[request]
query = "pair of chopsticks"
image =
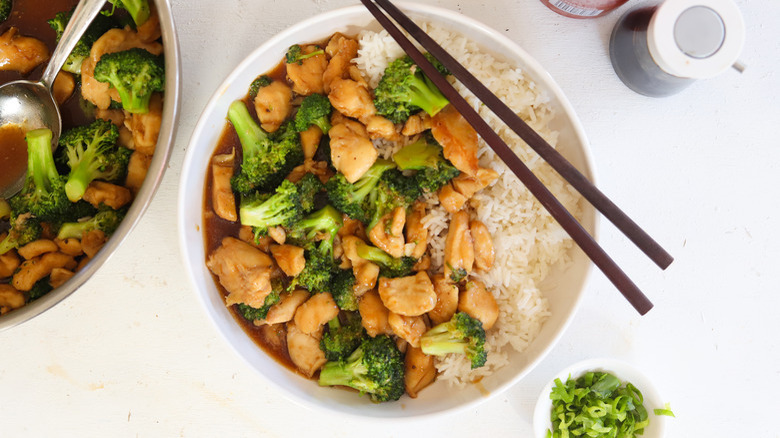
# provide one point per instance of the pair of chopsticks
(577, 180)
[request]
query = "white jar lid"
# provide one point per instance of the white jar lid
(696, 38)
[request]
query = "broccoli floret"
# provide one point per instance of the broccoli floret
(350, 198)
(259, 82)
(39, 289)
(342, 289)
(461, 335)
(264, 211)
(138, 9)
(404, 90)
(394, 190)
(295, 54)
(266, 160)
(323, 224)
(314, 110)
(135, 73)
(425, 156)
(24, 229)
(91, 153)
(456, 275)
(308, 187)
(43, 193)
(100, 25)
(389, 266)
(252, 313)
(341, 340)
(106, 221)
(376, 368)
(5, 9)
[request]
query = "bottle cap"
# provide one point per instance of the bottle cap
(696, 38)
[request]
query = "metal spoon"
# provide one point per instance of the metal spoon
(31, 104)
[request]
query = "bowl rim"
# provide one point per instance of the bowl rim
(144, 197)
(439, 13)
(623, 370)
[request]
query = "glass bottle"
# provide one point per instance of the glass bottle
(583, 8)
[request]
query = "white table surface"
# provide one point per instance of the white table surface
(132, 354)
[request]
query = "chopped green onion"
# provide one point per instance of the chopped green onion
(598, 405)
(665, 411)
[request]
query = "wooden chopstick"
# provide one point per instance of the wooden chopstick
(570, 173)
(580, 236)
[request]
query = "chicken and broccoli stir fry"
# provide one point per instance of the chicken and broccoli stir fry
(76, 196)
(318, 236)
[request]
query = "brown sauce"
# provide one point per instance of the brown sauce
(13, 154)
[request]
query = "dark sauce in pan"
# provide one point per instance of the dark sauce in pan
(270, 338)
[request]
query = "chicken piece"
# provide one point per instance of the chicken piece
(353, 72)
(337, 118)
(115, 116)
(59, 276)
(63, 87)
(351, 151)
(273, 105)
(137, 169)
(373, 314)
(36, 248)
(380, 127)
(304, 350)
(70, 246)
(263, 243)
(366, 272)
(10, 298)
(341, 50)
(317, 168)
(408, 296)
(222, 199)
(243, 270)
(390, 238)
(289, 258)
(125, 136)
(419, 371)
(408, 328)
(450, 199)
(284, 310)
(277, 234)
(310, 141)
(112, 195)
(92, 241)
(150, 30)
(21, 53)
(416, 123)
(478, 303)
(146, 127)
(457, 138)
(446, 300)
(351, 99)
(306, 75)
(37, 268)
(484, 255)
(8, 263)
(458, 248)
(274, 335)
(352, 227)
(115, 40)
(315, 312)
(469, 185)
(416, 233)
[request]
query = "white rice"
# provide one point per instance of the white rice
(527, 239)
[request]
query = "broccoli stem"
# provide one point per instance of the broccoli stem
(426, 95)
(138, 9)
(438, 341)
(344, 373)
(133, 103)
(40, 161)
(249, 133)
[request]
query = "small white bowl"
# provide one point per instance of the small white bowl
(623, 371)
(564, 288)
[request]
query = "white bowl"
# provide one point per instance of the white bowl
(564, 289)
(620, 369)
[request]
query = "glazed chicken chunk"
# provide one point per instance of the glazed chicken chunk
(351, 151)
(21, 53)
(243, 270)
(306, 75)
(273, 104)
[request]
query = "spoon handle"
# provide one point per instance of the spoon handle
(82, 17)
